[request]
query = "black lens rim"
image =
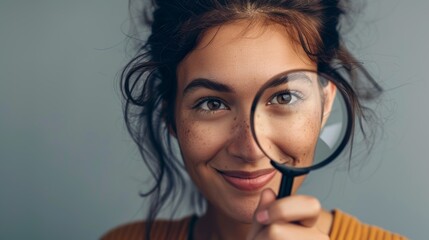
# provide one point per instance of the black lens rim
(341, 87)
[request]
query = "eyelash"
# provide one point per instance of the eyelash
(198, 105)
(296, 94)
(201, 101)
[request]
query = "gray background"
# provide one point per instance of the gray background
(68, 169)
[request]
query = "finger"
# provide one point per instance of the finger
(262, 211)
(290, 231)
(261, 214)
(301, 209)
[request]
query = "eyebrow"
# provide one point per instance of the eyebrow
(208, 84)
(288, 78)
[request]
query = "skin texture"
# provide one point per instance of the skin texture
(214, 135)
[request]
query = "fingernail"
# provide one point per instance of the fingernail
(262, 216)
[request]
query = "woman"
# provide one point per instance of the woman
(194, 80)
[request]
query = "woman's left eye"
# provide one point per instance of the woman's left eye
(284, 98)
(210, 105)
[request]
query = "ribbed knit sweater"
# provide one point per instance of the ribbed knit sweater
(344, 227)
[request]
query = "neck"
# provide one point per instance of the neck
(215, 225)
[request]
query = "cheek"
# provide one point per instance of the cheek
(307, 138)
(200, 141)
(298, 140)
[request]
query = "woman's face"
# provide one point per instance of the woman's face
(216, 85)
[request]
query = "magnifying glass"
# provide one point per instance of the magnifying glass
(302, 121)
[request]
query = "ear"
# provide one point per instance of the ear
(329, 92)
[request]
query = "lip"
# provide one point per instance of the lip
(248, 181)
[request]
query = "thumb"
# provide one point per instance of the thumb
(261, 217)
(261, 213)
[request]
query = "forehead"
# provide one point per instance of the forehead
(240, 54)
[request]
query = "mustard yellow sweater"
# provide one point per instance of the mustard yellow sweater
(344, 227)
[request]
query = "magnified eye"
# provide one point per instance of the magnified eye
(211, 105)
(284, 98)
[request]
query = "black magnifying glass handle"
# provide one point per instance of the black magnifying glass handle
(288, 175)
(285, 186)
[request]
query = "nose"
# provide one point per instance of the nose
(242, 145)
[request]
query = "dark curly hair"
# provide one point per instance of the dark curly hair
(148, 82)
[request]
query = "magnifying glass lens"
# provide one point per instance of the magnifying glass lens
(299, 120)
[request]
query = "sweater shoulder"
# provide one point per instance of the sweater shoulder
(347, 227)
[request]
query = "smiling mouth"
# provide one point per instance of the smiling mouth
(248, 181)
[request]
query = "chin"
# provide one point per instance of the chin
(240, 209)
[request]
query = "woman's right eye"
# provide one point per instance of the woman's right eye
(210, 105)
